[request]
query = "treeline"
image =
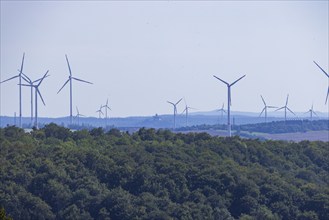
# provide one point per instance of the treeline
(274, 127)
(53, 173)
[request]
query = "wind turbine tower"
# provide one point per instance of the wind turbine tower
(285, 109)
(20, 90)
(265, 109)
(328, 79)
(37, 92)
(175, 110)
(70, 80)
(229, 101)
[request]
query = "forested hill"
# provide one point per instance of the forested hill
(54, 173)
(274, 127)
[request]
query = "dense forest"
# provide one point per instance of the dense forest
(274, 127)
(54, 173)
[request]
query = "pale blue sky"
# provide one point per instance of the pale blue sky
(140, 54)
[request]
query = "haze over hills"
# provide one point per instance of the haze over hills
(166, 121)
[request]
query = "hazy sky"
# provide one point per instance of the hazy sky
(140, 54)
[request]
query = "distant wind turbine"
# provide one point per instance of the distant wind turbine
(175, 110)
(229, 101)
(328, 78)
(311, 112)
(20, 89)
(70, 80)
(78, 115)
(222, 110)
(285, 109)
(186, 112)
(100, 112)
(106, 106)
(37, 92)
(265, 109)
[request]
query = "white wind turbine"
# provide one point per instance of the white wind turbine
(285, 109)
(328, 79)
(311, 111)
(20, 89)
(106, 106)
(175, 110)
(100, 112)
(78, 115)
(222, 110)
(70, 80)
(186, 112)
(229, 101)
(30, 82)
(265, 109)
(37, 92)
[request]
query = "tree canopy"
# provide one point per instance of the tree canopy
(54, 173)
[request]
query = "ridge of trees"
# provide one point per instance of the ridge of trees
(54, 173)
(274, 127)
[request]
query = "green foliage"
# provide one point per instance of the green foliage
(54, 173)
(274, 127)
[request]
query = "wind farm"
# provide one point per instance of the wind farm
(139, 91)
(164, 110)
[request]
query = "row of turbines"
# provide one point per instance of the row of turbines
(36, 83)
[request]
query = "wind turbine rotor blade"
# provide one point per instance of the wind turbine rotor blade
(10, 79)
(271, 106)
(77, 109)
(223, 106)
(183, 111)
(262, 112)
(263, 100)
(178, 101)
(63, 86)
(68, 64)
(280, 108)
(314, 113)
(27, 79)
(40, 95)
(287, 100)
(22, 63)
(291, 111)
(81, 80)
(44, 76)
(327, 96)
(25, 85)
(221, 80)
(39, 79)
(170, 103)
(237, 80)
(321, 69)
(107, 102)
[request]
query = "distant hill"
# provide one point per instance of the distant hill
(157, 121)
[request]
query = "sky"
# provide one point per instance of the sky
(141, 54)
